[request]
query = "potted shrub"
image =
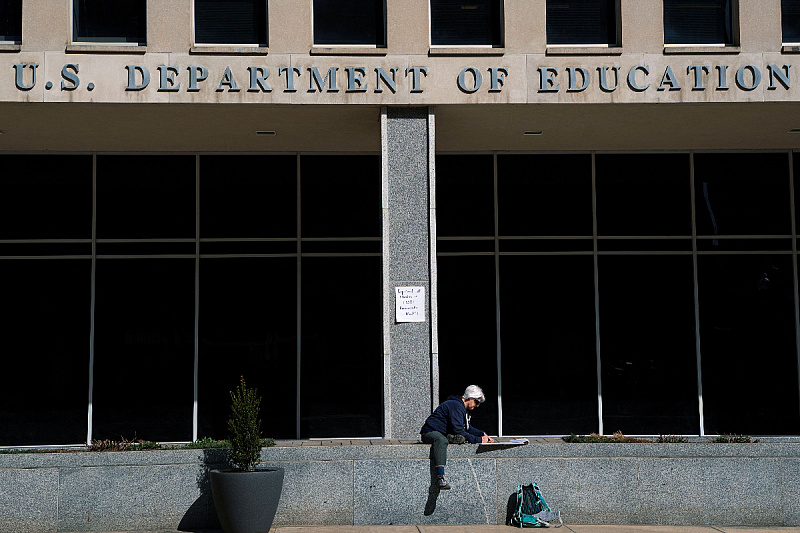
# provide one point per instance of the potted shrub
(246, 497)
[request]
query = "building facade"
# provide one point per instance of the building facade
(363, 206)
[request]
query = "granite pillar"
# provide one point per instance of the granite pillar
(410, 364)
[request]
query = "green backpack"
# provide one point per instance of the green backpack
(532, 510)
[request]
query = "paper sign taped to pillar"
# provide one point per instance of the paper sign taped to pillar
(410, 304)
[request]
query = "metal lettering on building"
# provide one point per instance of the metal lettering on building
(470, 79)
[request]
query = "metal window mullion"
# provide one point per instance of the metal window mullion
(794, 268)
(497, 303)
(698, 355)
(196, 339)
(90, 406)
(299, 293)
(596, 302)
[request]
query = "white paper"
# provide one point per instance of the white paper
(410, 304)
(505, 442)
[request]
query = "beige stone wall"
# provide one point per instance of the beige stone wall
(720, 115)
(668, 73)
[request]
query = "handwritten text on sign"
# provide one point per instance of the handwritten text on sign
(410, 304)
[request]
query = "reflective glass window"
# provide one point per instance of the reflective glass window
(647, 345)
(544, 195)
(467, 22)
(11, 21)
(145, 196)
(342, 347)
(230, 22)
(464, 195)
(45, 312)
(251, 196)
(350, 22)
(582, 22)
(748, 344)
(248, 328)
(46, 197)
(742, 194)
(144, 349)
(790, 20)
(101, 21)
(643, 194)
(340, 196)
(699, 22)
(468, 355)
(547, 325)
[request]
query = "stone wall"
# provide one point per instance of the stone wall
(694, 483)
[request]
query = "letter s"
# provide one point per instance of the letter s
(70, 77)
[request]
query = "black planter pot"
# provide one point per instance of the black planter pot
(246, 502)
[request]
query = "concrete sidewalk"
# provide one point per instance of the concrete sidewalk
(566, 528)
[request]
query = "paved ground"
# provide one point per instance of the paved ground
(567, 528)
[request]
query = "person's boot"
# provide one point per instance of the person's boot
(442, 484)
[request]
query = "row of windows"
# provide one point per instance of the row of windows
(363, 22)
(650, 280)
(653, 338)
(291, 303)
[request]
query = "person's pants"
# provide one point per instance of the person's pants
(438, 448)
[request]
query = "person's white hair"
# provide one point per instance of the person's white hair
(473, 391)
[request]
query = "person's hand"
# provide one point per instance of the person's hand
(486, 438)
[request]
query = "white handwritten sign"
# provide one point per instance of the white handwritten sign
(410, 304)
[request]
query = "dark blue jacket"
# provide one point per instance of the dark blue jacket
(452, 417)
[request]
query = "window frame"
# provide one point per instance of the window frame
(378, 46)
(734, 31)
(617, 44)
(795, 44)
(75, 41)
(17, 41)
(228, 47)
(500, 41)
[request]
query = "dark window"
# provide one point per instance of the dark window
(544, 195)
(465, 196)
(144, 349)
(467, 355)
(790, 19)
(582, 22)
(11, 21)
(742, 194)
(248, 327)
(145, 197)
(747, 334)
(248, 196)
(547, 329)
(230, 22)
(647, 344)
(340, 196)
(699, 21)
(46, 315)
(341, 386)
(467, 22)
(643, 195)
(348, 22)
(101, 21)
(46, 197)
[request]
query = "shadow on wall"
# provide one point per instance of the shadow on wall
(202, 515)
(433, 491)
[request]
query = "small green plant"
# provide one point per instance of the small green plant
(595, 438)
(727, 438)
(124, 445)
(671, 439)
(245, 427)
(206, 443)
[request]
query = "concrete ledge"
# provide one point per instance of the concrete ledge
(365, 484)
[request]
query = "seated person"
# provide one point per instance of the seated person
(452, 417)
